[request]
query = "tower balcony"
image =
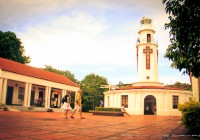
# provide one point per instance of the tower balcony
(145, 41)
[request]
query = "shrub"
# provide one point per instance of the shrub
(108, 109)
(31, 107)
(2, 106)
(49, 110)
(191, 116)
(5, 108)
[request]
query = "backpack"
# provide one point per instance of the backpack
(64, 99)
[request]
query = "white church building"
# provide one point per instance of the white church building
(142, 96)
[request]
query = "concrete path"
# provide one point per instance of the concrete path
(52, 125)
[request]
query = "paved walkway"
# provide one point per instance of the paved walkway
(52, 125)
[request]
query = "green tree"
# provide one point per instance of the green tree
(11, 48)
(184, 86)
(184, 25)
(66, 73)
(92, 93)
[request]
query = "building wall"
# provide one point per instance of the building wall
(136, 100)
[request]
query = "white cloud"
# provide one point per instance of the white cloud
(75, 40)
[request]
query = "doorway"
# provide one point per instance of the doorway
(9, 95)
(54, 100)
(32, 101)
(149, 103)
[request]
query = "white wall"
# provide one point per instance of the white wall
(136, 100)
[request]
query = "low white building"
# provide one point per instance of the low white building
(24, 85)
(142, 96)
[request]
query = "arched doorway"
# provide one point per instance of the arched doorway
(149, 103)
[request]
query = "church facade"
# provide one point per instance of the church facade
(141, 97)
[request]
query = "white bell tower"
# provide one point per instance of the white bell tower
(147, 55)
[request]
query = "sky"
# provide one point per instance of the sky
(88, 36)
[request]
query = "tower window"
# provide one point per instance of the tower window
(148, 37)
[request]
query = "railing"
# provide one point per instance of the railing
(145, 40)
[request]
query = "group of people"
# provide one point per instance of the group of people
(66, 105)
(67, 100)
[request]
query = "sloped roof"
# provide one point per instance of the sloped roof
(15, 67)
(148, 87)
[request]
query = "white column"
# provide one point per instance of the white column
(1, 88)
(4, 91)
(63, 92)
(29, 94)
(46, 97)
(111, 100)
(118, 101)
(26, 94)
(105, 100)
(114, 100)
(108, 100)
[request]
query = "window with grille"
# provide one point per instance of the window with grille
(21, 93)
(125, 101)
(175, 102)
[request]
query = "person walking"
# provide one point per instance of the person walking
(101, 103)
(66, 100)
(78, 106)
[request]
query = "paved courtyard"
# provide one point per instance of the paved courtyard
(52, 125)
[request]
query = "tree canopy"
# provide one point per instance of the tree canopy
(92, 83)
(184, 86)
(11, 48)
(184, 25)
(92, 93)
(66, 73)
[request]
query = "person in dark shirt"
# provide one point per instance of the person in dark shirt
(66, 105)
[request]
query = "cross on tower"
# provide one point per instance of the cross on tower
(147, 51)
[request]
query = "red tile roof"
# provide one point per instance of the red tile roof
(148, 87)
(15, 67)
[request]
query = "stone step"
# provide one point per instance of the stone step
(33, 109)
